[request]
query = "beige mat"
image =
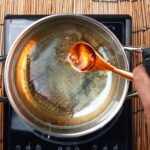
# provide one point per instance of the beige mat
(138, 9)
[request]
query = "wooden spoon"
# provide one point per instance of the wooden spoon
(84, 58)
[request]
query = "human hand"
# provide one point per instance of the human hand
(142, 85)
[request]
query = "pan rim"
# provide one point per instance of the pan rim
(8, 61)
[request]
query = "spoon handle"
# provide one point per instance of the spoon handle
(123, 73)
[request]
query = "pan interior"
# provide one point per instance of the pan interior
(49, 89)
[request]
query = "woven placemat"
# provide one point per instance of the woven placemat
(138, 9)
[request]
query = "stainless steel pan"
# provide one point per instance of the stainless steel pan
(47, 93)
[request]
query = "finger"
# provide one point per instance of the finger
(141, 79)
(142, 86)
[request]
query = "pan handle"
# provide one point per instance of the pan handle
(132, 94)
(3, 58)
(145, 51)
(3, 99)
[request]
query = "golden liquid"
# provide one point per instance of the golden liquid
(49, 88)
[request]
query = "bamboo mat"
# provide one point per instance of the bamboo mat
(138, 9)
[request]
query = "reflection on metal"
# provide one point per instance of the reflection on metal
(133, 94)
(101, 51)
(133, 49)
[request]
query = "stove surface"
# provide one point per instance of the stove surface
(115, 136)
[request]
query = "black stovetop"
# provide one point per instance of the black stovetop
(114, 136)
